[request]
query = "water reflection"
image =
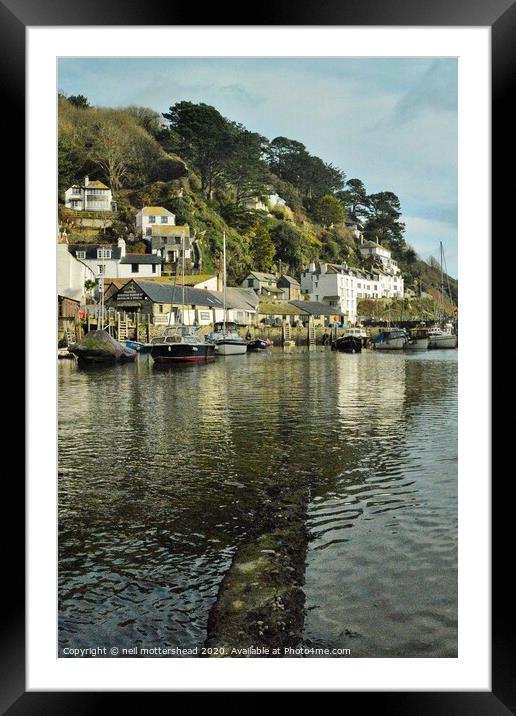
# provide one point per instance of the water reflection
(164, 472)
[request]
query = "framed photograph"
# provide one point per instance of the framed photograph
(258, 452)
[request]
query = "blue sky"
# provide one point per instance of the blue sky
(390, 122)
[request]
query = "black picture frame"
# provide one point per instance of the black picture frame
(500, 16)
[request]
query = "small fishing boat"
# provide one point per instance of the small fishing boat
(138, 346)
(64, 353)
(225, 337)
(418, 340)
(357, 332)
(442, 337)
(100, 347)
(258, 344)
(392, 339)
(180, 344)
(348, 344)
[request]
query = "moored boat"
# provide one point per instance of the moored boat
(258, 344)
(418, 340)
(392, 339)
(348, 344)
(226, 340)
(442, 337)
(225, 337)
(357, 332)
(181, 345)
(138, 346)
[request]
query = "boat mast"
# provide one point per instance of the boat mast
(183, 278)
(224, 275)
(442, 281)
(102, 291)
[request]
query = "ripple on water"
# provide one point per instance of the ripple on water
(162, 473)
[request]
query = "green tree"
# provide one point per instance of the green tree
(354, 198)
(292, 247)
(245, 169)
(327, 210)
(262, 248)
(79, 101)
(292, 163)
(383, 222)
(205, 138)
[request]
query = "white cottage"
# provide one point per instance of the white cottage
(112, 260)
(151, 218)
(90, 196)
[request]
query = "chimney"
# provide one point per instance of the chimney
(324, 267)
(86, 180)
(311, 268)
(121, 245)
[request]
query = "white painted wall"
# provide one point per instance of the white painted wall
(145, 221)
(71, 275)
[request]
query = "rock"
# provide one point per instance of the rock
(100, 347)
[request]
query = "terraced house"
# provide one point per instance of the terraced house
(112, 260)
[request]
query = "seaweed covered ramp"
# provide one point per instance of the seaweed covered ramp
(100, 347)
(260, 605)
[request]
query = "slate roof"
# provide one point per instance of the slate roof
(91, 250)
(280, 308)
(287, 280)
(266, 277)
(244, 299)
(316, 308)
(161, 293)
(141, 259)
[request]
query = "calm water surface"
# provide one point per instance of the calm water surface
(164, 472)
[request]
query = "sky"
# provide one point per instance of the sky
(391, 122)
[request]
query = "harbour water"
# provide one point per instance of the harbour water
(162, 473)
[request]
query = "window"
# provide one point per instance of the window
(153, 268)
(135, 268)
(250, 282)
(103, 253)
(148, 231)
(152, 219)
(101, 270)
(164, 219)
(80, 254)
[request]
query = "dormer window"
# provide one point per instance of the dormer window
(80, 254)
(103, 253)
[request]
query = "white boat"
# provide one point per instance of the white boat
(226, 340)
(391, 339)
(418, 340)
(356, 332)
(225, 337)
(442, 337)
